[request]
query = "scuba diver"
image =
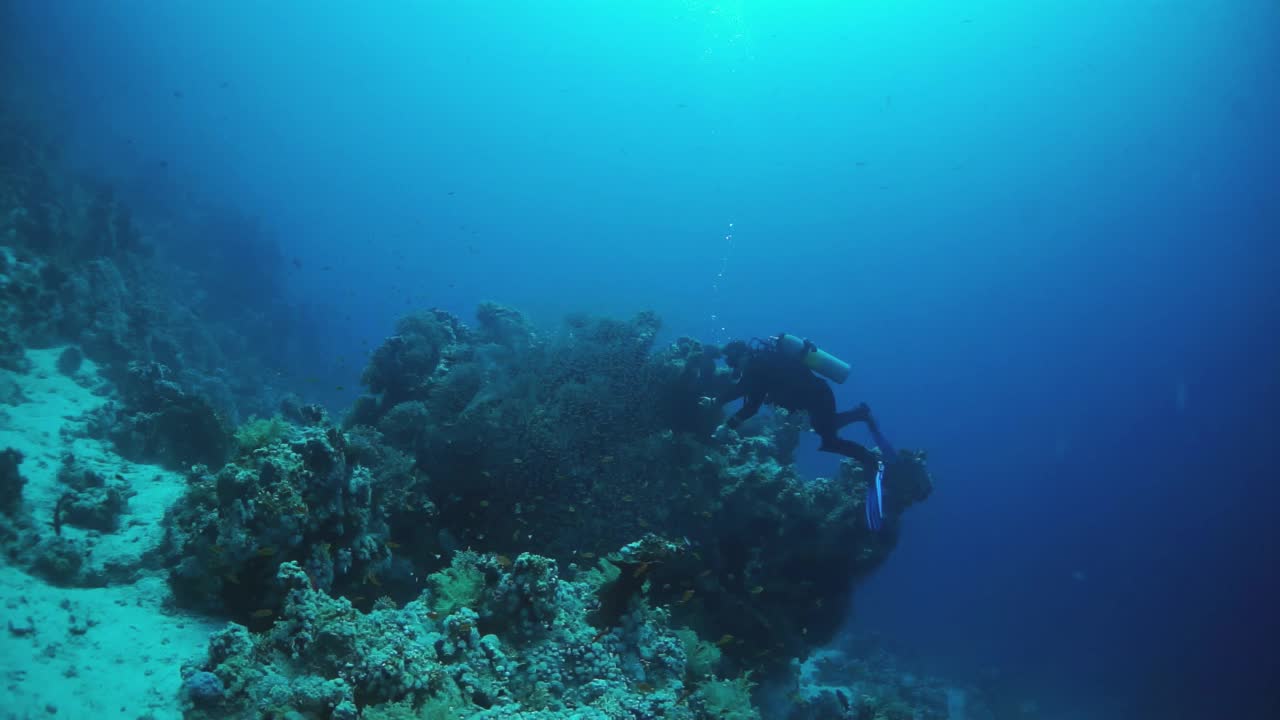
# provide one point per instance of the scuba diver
(780, 371)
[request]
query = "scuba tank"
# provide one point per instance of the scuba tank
(819, 361)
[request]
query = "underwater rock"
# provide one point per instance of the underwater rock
(11, 481)
(70, 360)
(160, 422)
(835, 683)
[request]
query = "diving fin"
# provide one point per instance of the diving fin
(875, 499)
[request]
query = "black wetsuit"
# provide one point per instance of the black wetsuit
(769, 375)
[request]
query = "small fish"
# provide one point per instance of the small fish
(628, 498)
(267, 551)
(263, 613)
(587, 555)
(686, 597)
(232, 578)
(484, 503)
(644, 687)
(392, 545)
(757, 590)
(644, 568)
(606, 459)
(724, 640)
(339, 388)
(503, 561)
(518, 461)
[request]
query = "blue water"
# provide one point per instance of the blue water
(1045, 235)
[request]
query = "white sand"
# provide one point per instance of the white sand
(88, 653)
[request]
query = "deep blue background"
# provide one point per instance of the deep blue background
(1044, 233)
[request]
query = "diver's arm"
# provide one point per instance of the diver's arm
(729, 394)
(750, 407)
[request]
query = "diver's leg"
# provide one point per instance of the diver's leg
(850, 449)
(862, 413)
(824, 419)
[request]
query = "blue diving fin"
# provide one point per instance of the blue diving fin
(875, 499)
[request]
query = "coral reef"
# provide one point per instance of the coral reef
(521, 646)
(476, 445)
(295, 499)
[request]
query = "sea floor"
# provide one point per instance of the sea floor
(108, 652)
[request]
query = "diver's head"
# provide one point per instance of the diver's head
(735, 355)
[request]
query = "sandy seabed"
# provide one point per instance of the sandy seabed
(108, 652)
